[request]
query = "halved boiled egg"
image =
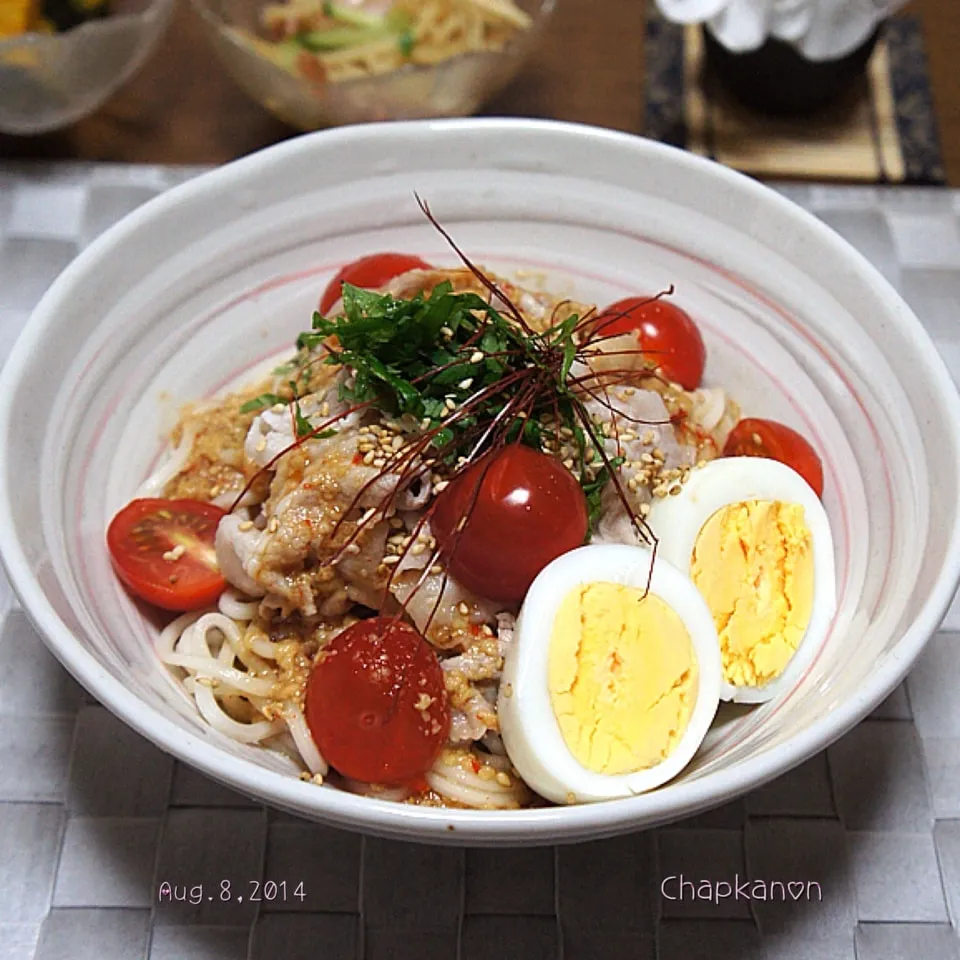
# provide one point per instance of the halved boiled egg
(756, 541)
(608, 690)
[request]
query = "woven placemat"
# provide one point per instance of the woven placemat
(112, 850)
(884, 131)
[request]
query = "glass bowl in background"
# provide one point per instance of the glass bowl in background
(451, 88)
(52, 80)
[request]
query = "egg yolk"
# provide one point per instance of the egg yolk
(622, 676)
(753, 564)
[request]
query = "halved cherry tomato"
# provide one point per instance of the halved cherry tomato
(163, 551)
(370, 272)
(665, 332)
(522, 508)
(376, 702)
(754, 437)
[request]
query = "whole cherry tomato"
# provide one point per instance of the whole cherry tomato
(666, 333)
(502, 520)
(370, 273)
(376, 702)
(754, 437)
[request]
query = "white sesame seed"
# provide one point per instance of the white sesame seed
(450, 404)
(466, 384)
(389, 561)
(476, 356)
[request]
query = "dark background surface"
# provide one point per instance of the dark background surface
(184, 108)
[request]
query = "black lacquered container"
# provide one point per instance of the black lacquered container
(777, 79)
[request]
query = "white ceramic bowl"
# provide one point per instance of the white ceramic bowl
(209, 278)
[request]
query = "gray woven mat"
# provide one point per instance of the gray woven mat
(94, 820)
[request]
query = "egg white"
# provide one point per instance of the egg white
(677, 522)
(528, 724)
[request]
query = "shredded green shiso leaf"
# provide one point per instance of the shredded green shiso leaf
(461, 370)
